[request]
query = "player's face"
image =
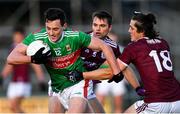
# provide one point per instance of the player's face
(100, 27)
(133, 31)
(54, 29)
(18, 37)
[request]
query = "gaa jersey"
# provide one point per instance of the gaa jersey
(20, 72)
(65, 55)
(94, 59)
(152, 59)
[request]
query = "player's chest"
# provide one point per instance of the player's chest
(90, 54)
(62, 49)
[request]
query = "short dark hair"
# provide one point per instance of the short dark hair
(103, 15)
(55, 13)
(19, 28)
(145, 23)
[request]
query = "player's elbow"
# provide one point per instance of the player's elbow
(10, 60)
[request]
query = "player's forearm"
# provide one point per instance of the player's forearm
(131, 77)
(99, 74)
(128, 73)
(110, 57)
(18, 55)
(18, 58)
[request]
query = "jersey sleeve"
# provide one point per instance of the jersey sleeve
(30, 38)
(84, 39)
(116, 51)
(126, 56)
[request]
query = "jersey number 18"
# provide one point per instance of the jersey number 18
(165, 55)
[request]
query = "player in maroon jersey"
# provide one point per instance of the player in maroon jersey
(20, 86)
(101, 26)
(151, 56)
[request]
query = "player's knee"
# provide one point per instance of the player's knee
(13, 107)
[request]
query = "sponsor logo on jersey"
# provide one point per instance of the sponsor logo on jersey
(64, 61)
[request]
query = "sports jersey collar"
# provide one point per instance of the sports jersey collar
(146, 38)
(62, 36)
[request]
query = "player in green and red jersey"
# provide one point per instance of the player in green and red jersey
(65, 57)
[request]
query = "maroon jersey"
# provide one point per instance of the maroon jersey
(93, 59)
(20, 72)
(152, 59)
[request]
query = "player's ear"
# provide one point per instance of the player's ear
(110, 28)
(65, 26)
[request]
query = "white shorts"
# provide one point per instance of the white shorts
(160, 107)
(82, 89)
(18, 89)
(104, 88)
(50, 91)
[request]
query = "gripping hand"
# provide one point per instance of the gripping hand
(39, 57)
(117, 78)
(140, 91)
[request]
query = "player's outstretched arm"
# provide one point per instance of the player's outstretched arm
(98, 44)
(99, 74)
(18, 55)
(131, 77)
(128, 74)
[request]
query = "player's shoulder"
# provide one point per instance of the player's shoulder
(162, 40)
(71, 33)
(131, 46)
(138, 43)
(110, 42)
(40, 34)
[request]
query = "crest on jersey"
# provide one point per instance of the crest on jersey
(68, 48)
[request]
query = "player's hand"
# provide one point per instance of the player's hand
(117, 78)
(140, 91)
(43, 86)
(39, 57)
(74, 76)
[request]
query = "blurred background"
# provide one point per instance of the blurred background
(29, 14)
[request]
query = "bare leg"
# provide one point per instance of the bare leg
(55, 106)
(131, 109)
(79, 105)
(101, 98)
(96, 106)
(118, 100)
(89, 109)
(15, 104)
